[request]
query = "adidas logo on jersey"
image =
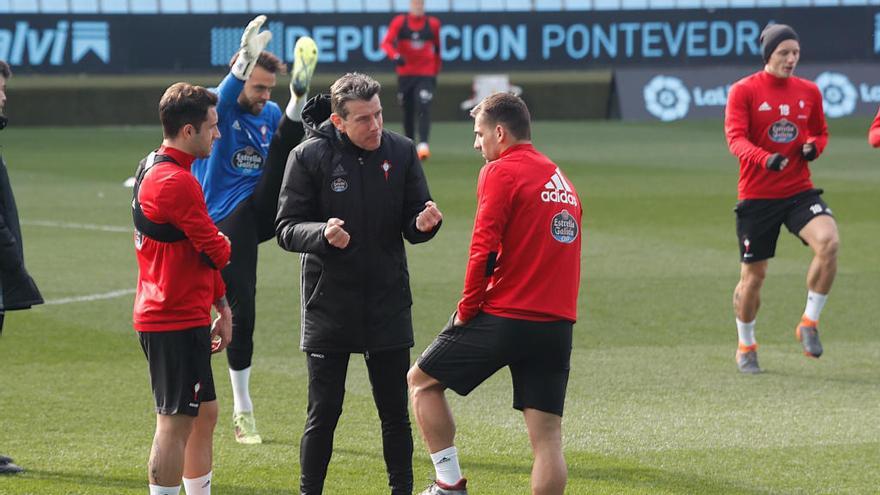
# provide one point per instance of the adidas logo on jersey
(557, 190)
(765, 107)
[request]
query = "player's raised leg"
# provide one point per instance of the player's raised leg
(435, 421)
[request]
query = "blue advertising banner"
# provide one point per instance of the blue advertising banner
(689, 93)
(486, 41)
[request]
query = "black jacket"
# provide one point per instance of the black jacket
(17, 288)
(355, 299)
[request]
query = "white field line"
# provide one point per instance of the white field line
(83, 226)
(80, 226)
(91, 297)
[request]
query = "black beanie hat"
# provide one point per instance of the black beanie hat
(773, 35)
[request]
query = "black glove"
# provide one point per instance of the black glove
(809, 152)
(399, 61)
(776, 162)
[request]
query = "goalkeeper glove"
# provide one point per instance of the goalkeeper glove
(776, 162)
(252, 43)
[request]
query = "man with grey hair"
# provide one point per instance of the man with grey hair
(351, 193)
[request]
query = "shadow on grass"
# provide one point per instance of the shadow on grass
(607, 472)
(814, 376)
(639, 476)
(91, 483)
(85, 479)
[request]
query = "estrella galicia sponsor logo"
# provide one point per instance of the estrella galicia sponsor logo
(339, 185)
(783, 131)
(248, 159)
(667, 98)
(839, 95)
(27, 45)
(564, 227)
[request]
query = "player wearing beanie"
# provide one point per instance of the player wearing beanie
(775, 126)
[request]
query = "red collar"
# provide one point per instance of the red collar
(516, 147)
(183, 158)
(775, 81)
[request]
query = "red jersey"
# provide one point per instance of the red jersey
(874, 133)
(176, 287)
(765, 115)
(417, 41)
(530, 215)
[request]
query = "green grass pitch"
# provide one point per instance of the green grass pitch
(655, 405)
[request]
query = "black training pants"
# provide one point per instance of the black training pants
(252, 222)
(327, 372)
(415, 94)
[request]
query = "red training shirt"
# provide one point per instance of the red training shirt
(530, 214)
(765, 115)
(176, 287)
(417, 40)
(874, 133)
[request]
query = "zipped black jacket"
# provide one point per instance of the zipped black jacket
(355, 299)
(17, 288)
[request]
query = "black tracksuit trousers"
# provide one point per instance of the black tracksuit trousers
(249, 224)
(327, 371)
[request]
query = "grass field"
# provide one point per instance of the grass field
(655, 405)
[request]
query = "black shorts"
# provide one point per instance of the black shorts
(538, 354)
(410, 88)
(758, 221)
(180, 369)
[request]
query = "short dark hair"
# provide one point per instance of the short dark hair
(183, 104)
(352, 86)
(508, 110)
(5, 70)
(266, 60)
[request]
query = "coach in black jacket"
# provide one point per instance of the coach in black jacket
(17, 288)
(351, 192)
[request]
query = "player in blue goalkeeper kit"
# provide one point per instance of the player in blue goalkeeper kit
(241, 180)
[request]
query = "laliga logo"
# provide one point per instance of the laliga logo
(839, 96)
(667, 98)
